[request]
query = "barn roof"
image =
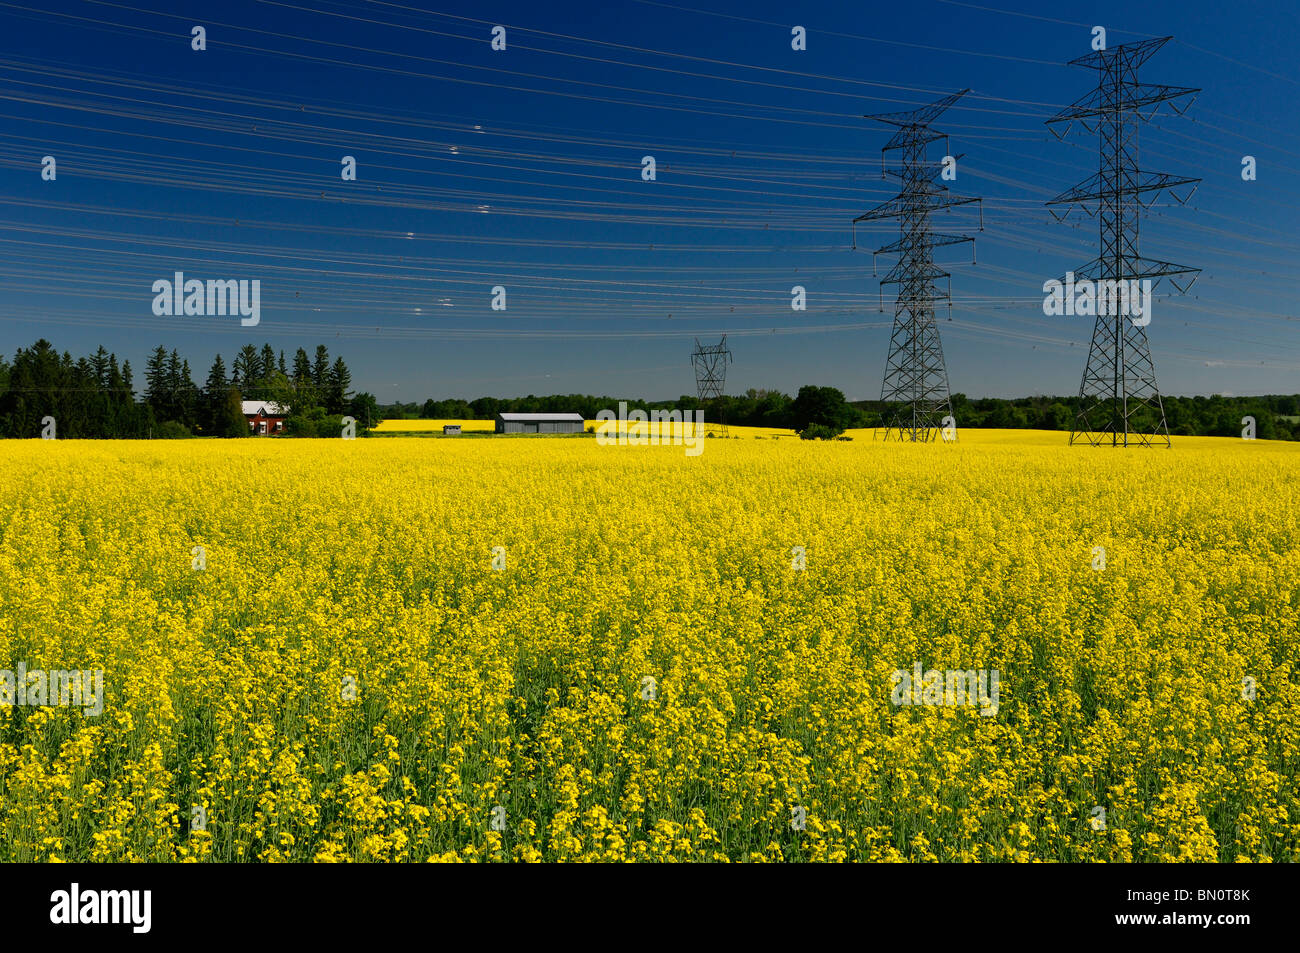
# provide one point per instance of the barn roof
(575, 418)
(253, 408)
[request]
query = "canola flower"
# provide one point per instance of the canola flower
(648, 676)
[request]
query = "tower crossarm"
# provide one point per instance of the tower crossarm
(1132, 268)
(895, 207)
(1134, 183)
(925, 171)
(913, 125)
(932, 240)
(906, 204)
(1102, 104)
(921, 116)
(1128, 56)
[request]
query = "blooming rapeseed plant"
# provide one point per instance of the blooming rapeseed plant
(650, 677)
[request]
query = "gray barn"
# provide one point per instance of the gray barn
(540, 423)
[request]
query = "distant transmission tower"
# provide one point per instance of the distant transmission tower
(915, 374)
(1119, 403)
(710, 363)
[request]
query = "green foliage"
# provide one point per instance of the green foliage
(93, 397)
(1277, 417)
(86, 398)
(171, 430)
(317, 423)
(365, 409)
(819, 432)
(337, 385)
(447, 410)
(824, 408)
(231, 421)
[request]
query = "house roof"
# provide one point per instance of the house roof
(264, 408)
(567, 417)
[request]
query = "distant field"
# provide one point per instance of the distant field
(435, 426)
(431, 426)
(969, 436)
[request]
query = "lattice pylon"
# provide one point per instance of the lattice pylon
(915, 373)
(710, 364)
(1119, 400)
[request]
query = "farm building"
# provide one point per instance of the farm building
(539, 423)
(264, 417)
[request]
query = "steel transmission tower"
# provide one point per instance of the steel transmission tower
(1119, 403)
(710, 363)
(915, 374)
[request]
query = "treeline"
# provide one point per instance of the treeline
(822, 407)
(93, 397)
(1277, 417)
(89, 397)
(765, 405)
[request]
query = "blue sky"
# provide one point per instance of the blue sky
(522, 168)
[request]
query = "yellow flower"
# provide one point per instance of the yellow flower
(650, 677)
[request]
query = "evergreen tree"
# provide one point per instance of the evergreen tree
(338, 389)
(155, 380)
(129, 419)
(99, 366)
(188, 398)
(172, 399)
(214, 396)
(247, 372)
(301, 368)
(268, 363)
(320, 369)
(38, 383)
(303, 388)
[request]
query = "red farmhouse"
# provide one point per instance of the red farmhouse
(265, 419)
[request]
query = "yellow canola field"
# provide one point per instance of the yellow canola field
(342, 673)
(432, 426)
(611, 427)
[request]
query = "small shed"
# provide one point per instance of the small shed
(540, 423)
(451, 430)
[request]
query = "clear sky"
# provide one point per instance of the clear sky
(523, 168)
